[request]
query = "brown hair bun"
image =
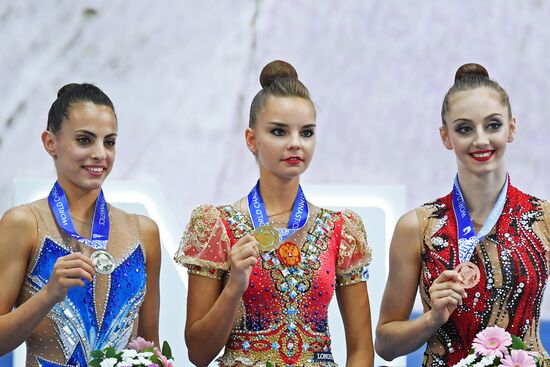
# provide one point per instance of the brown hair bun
(471, 69)
(277, 69)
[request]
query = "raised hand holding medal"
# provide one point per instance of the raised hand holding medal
(467, 238)
(103, 262)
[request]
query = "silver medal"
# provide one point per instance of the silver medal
(104, 262)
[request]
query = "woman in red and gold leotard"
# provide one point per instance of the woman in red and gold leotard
(265, 298)
(486, 225)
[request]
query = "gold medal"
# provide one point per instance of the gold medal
(267, 237)
(104, 262)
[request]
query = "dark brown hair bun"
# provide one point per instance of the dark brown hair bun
(277, 69)
(471, 69)
(64, 89)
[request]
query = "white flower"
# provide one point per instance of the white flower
(127, 362)
(108, 362)
(145, 354)
(465, 362)
(144, 361)
(485, 361)
(129, 353)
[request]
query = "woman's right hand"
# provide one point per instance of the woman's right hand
(69, 271)
(446, 294)
(243, 256)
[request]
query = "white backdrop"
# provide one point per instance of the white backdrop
(182, 75)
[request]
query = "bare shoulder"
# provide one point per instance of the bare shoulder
(406, 237)
(19, 226)
(147, 225)
(149, 232)
(408, 222)
(19, 219)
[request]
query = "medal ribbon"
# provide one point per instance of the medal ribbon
(100, 225)
(298, 217)
(467, 238)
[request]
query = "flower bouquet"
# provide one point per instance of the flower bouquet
(140, 353)
(494, 346)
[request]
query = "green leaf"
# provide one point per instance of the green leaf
(166, 350)
(97, 354)
(155, 360)
(269, 364)
(517, 343)
(110, 352)
(94, 363)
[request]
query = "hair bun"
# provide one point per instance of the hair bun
(64, 89)
(277, 69)
(471, 70)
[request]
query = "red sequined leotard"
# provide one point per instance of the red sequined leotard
(513, 261)
(283, 312)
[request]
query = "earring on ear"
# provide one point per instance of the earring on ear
(54, 156)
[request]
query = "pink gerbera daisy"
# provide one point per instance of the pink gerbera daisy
(492, 342)
(518, 358)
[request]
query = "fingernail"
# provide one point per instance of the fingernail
(465, 295)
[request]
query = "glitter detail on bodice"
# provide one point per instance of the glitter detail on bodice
(102, 313)
(513, 261)
(283, 312)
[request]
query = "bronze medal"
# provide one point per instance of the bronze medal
(470, 274)
(267, 237)
(104, 262)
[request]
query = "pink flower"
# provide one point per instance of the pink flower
(140, 344)
(518, 358)
(163, 360)
(492, 342)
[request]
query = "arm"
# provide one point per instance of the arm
(212, 308)
(149, 312)
(353, 301)
(396, 335)
(18, 235)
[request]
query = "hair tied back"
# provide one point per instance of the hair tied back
(471, 70)
(66, 88)
(275, 70)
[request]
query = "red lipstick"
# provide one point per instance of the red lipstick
(482, 155)
(293, 160)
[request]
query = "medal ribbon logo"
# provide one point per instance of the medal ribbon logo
(100, 225)
(258, 214)
(467, 238)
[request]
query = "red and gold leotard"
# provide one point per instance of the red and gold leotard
(514, 264)
(283, 312)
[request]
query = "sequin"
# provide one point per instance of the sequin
(514, 271)
(101, 313)
(284, 319)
